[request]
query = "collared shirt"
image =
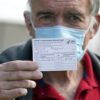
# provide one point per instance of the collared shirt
(89, 87)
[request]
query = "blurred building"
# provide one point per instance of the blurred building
(11, 34)
(12, 27)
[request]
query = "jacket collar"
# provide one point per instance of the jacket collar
(26, 51)
(96, 64)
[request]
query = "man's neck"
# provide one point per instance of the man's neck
(65, 80)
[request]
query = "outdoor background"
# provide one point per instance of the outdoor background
(12, 26)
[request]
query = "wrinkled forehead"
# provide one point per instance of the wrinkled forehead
(57, 0)
(59, 4)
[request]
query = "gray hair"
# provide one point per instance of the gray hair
(94, 6)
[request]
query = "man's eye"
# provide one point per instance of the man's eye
(45, 17)
(73, 18)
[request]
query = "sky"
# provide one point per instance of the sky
(12, 11)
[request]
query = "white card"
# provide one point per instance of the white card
(55, 54)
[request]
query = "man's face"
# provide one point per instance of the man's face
(69, 13)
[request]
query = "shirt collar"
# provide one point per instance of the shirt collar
(44, 91)
(90, 76)
(88, 81)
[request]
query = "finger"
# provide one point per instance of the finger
(20, 75)
(11, 94)
(17, 84)
(18, 65)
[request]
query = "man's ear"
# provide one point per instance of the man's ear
(96, 25)
(93, 30)
(28, 22)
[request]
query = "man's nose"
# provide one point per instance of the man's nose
(60, 21)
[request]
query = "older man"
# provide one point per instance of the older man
(78, 19)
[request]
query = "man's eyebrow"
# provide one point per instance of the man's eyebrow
(75, 12)
(44, 13)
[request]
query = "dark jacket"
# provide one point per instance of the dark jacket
(24, 52)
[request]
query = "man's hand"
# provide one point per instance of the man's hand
(16, 77)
